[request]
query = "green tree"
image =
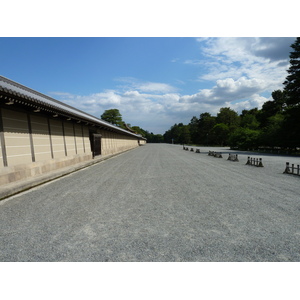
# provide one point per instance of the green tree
(291, 124)
(178, 134)
(194, 130)
(244, 139)
(249, 118)
(185, 136)
(272, 107)
(272, 133)
(206, 124)
(292, 82)
(219, 134)
(229, 117)
(113, 116)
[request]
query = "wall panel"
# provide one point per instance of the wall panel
(40, 137)
(70, 139)
(1, 156)
(86, 137)
(57, 138)
(79, 139)
(16, 134)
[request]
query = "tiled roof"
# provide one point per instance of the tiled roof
(47, 103)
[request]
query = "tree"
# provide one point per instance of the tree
(113, 116)
(292, 82)
(244, 139)
(249, 118)
(291, 124)
(194, 130)
(229, 117)
(219, 134)
(185, 136)
(206, 124)
(178, 134)
(272, 134)
(272, 107)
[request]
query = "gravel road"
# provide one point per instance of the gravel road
(159, 203)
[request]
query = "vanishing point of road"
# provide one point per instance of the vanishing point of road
(158, 203)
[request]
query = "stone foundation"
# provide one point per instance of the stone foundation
(25, 171)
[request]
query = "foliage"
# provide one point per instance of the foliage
(206, 124)
(178, 134)
(244, 138)
(291, 124)
(229, 117)
(249, 119)
(113, 116)
(292, 83)
(219, 134)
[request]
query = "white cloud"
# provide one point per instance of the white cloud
(157, 113)
(131, 83)
(155, 87)
(241, 69)
(254, 58)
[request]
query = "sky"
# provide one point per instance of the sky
(155, 82)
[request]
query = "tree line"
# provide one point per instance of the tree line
(275, 125)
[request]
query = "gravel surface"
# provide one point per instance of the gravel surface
(159, 203)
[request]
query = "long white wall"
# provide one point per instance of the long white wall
(35, 144)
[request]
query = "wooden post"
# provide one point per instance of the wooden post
(287, 168)
(248, 161)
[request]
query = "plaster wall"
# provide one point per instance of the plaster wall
(36, 144)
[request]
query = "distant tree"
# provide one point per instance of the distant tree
(249, 118)
(138, 130)
(113, 116)
(272, 134)
(219, 134)
(229, 117)
(185, 136)
(292, 82)
(178, 134)
(194, 130)
(272, 107)
(244, 139)
(291, 124)
(206, 124)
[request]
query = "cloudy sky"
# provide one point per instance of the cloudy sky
(154, 82)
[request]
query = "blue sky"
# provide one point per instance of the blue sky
(154, 82)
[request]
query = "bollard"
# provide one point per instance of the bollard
(233, 157)
(254, 162)
(192, 149)
(218, 155)
(287, 168)
(197, 150)
(292, 169)
(248, 161)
